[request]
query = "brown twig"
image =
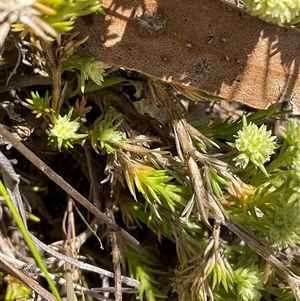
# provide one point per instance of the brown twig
(5, 266)
(116, 256)
(54, 68)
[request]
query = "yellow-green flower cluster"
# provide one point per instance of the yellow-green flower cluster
(249, 282)
(105, 134)
(63, 132)
(255, 145)
(16, 289)
(39, 105)
(281, 11)
(89, 67)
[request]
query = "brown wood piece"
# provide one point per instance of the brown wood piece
(206, 44)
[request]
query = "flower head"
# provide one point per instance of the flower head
(16, 289)
(281, 11)
(105, 134)
(249, 282)
(64, 131)
(89, 67)
(255, 145)
(39, 105)
(95, 70)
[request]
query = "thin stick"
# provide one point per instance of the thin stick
(5, 266)
(116, 256)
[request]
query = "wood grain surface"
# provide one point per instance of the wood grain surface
(206, 44)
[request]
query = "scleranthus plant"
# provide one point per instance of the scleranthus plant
(281, 11)
(155, 185)
(249, 282)
(89, 68)
(278, 199)
(273, 206)
(16, 289)
(64, 131)
(255, 145)
(141, 268)
(39, 105)
(105, 134)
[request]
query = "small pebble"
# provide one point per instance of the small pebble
(209, 39)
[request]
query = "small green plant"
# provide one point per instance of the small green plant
(16, 289)
(143, 270)
(249, 282)
(155, 185)
(105, 135)
(277, 198)
(88, 67)
(39, 105)
(254, 145)
(63, 132)
(151, 183)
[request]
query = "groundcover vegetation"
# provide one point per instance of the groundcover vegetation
(116, 186)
